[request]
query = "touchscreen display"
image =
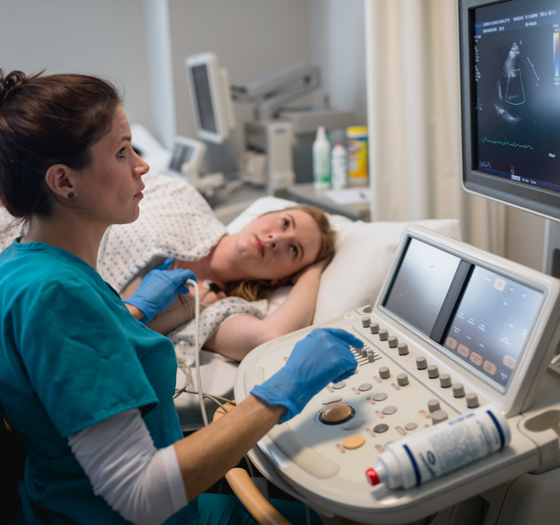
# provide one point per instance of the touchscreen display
(492, 323)
(421, 284)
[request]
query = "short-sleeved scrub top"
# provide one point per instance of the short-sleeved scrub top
(71, 355)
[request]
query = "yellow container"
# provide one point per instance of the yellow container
(357, 146)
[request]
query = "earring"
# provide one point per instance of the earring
(70, 195)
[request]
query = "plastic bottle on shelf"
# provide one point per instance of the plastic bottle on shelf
(321, 160)
(357, 144)
(339, 166)
(442, 448)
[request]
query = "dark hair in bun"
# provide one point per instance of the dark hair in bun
(46, 120)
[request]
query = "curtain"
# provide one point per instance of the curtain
(412, 63)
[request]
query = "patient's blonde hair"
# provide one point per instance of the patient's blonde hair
(254, 289)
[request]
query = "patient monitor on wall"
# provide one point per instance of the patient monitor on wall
(271, 135)
(210, 97)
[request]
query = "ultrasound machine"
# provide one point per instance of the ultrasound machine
(454, 327)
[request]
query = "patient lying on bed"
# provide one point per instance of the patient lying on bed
(291, 246)
(285, 247)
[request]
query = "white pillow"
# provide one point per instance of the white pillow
(364, 254)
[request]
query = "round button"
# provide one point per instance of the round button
(382, 396)
(334, 398)
(389, 410)
(472, 400)
(384, 372)
(433, 405)
(383, 334)
(393, 341)
(445, 380)
(402, 379)
(366, 321)
(337, 413)
(421, 363)
(458, 390)
(379, 429)
(339, 385)
(374, 328)
(433, 372)
(403, 349)
(352, 442)
(438, 417)
(410, 426)
(364, 387)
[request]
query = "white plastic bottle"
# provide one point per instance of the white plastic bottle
(442, 448)
(321, 160)
(339, 166)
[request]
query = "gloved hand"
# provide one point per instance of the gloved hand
(159, 289)
(323, 356)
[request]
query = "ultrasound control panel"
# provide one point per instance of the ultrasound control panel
(454, 328)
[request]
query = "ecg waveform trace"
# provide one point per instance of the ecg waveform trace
(505, 143)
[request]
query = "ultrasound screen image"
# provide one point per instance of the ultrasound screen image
(517, 85)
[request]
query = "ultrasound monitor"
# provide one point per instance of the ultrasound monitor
(510, 86)
(210, 97)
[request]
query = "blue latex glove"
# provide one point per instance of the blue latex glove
(323, 356)
(159, 289)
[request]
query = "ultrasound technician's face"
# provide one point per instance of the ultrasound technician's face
(276, 245)
(110, 188)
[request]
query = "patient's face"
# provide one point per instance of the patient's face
(277, 245)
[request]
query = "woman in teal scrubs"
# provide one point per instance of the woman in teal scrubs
(84, 384)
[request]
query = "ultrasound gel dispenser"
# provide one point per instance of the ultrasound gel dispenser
(442, 448)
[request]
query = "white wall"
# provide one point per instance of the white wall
(101, 37)
(338, 47)
(525, 233)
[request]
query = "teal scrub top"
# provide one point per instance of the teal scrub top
(71, 355)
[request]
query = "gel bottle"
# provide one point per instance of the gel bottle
(440, 449)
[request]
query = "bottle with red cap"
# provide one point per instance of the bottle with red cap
(442, 448)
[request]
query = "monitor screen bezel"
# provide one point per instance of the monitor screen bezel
(545, 203)
(219, 93)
